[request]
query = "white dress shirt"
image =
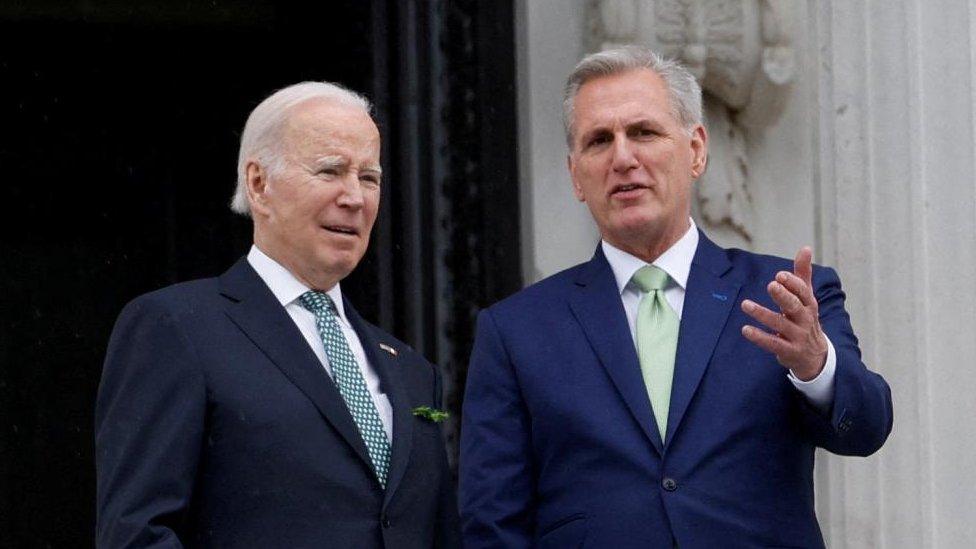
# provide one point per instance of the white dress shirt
(287, 289)
(676, 261)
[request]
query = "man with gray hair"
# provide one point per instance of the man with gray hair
(258, 409)
(633, 400)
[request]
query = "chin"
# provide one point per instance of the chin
(341, 263)
(638, 225)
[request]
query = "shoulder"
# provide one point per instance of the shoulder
(751, 266)
(181, 300)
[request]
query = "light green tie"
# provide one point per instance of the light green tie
(657, 341)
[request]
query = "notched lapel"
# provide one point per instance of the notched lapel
(254, 309)
(597, 307)
(709, 299)
(385, 358)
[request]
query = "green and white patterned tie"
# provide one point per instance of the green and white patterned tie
(657, 341)
(349, 380)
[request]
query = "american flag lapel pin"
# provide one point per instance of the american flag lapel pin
(389, 349)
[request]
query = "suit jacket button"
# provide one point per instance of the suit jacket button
(669, 484)
(385, 521)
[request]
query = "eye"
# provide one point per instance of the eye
(329, 171)
(371, 179)
(644, 132)
(599, 139)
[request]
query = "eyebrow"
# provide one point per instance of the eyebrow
(331, 161)
(339, 161)
(606, 128)
(373, 168)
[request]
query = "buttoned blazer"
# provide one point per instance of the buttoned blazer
(559, 446)
(217, 426)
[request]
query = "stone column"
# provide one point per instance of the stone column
(897, 216)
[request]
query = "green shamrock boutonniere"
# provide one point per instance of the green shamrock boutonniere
(431, 414)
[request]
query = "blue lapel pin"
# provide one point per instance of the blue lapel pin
(720, 297)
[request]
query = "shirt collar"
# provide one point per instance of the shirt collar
(676, 260)
(285, 287)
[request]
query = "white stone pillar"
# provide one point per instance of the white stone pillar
(897, 216)
(557, 231)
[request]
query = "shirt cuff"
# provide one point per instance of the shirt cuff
(819, 390)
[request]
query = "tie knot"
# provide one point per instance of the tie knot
(650, 278)
(316, 302)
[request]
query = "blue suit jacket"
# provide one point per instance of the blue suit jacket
(216, 425)
(559, 446)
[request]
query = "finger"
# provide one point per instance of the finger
(772, 320)
(766, 341)
(797, 287)
(786, 301)
(803, 265)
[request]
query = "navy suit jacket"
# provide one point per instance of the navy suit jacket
(559, 445)
(217, 426)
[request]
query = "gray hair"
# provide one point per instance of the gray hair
(684, 92)
(261, 137)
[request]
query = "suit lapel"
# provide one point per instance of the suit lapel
(254, 309)
(597, 306)
(391, 379)
(709, 299)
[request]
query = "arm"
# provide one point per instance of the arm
(496, 479)
(149, 421)
(858, 418)
(861, 416)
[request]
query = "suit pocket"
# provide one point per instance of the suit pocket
(568, 532)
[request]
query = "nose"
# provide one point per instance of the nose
(352, 192)
(624, 158)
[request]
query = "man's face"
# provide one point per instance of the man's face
(314, 214)
(632, 161)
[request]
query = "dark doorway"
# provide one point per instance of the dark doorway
(120, 124)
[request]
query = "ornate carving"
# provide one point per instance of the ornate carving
(722, 192)
(619, 21)
(740, 52)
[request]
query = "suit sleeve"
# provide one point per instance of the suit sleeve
(149, 422)
(860, 418)
(497, 489)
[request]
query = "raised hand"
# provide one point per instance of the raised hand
(794, 334)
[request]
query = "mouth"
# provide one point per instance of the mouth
(628, 190)
(341, 229)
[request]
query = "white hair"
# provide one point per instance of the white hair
(684, 93)
(260, 140)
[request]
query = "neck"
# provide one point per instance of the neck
(650, 248)
(315, 279)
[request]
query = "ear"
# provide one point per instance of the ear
(256, 178)
(699, 151)
(577, 190)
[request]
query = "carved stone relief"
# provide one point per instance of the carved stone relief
(741, 54)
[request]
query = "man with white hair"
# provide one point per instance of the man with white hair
(632, 401)
(258, 409)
